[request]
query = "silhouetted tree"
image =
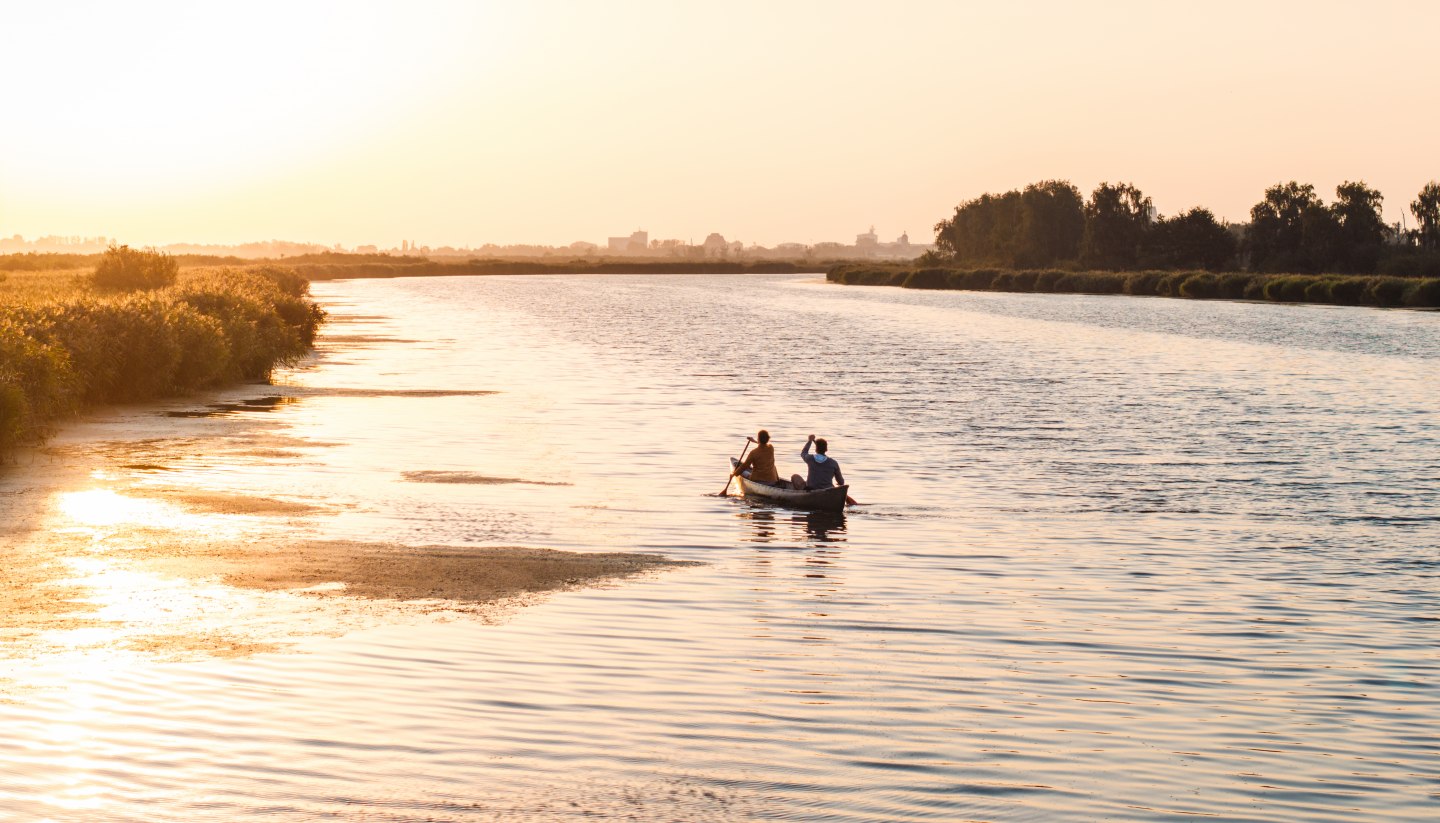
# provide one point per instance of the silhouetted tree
(1426, 209)
(1193, 240)
(983, 230)
(1291, 231)
(1360, 231)
(1116, 219)
(1052, 223)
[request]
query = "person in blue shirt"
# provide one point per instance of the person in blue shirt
(824, 470)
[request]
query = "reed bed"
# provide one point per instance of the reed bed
(66, 345)
(1360, 290)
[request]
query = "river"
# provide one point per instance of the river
(1121, 558)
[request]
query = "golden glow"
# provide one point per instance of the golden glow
(461, 122)
(102, 507)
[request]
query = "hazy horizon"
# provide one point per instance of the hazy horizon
(460, 124)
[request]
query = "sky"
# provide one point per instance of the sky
(462, 123)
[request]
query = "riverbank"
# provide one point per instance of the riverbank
(1200, 285)
(343, 266)
(66, 347)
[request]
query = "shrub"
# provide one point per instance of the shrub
(1045, 280)
(60, 354)
(1232, 286)
(1318, 290)
(1168, 284)
(13, 412)
(1142, 283)
(1349, 291)
(1019, 280)
(1203, 285)
(1385, 291)
(1290, 288)
(286, 279)
(1425, 293)
(927, 279)
(1091, 282)
(122, 268)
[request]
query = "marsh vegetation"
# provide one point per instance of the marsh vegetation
(137, 327)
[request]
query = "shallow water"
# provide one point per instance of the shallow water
(1122, 559)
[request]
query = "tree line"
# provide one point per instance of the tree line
(1050, 224)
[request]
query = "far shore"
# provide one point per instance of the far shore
(1333, 289)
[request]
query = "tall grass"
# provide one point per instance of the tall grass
(1200, 285)
(64, 347)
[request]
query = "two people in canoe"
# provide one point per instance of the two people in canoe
(823, 471)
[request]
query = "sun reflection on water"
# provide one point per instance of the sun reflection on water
(103, 507)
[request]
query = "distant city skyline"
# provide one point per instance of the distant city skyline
(458, 123)
(637, 243)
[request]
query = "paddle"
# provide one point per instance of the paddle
(741, 458)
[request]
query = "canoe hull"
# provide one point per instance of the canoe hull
(824, 500)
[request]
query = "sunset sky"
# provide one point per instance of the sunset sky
(463, 123)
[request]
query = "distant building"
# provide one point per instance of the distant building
(869, 245)
(636, 242)
(868, 240)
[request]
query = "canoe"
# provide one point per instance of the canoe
(823, 500)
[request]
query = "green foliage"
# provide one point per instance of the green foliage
(1408, 261)
(59, 355)
(1422, 293)
(983, 230)
(1291, 231)
(974, 279)
(122, 268)
(1091, 282)
(1200, 286)
(927, 279)
(1426, 208)
(1234, 286)
(1116, 221)
(1288, 288)
(1360, 230)
(1192, 240)
(1052, 223)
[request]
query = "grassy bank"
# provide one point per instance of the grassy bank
(341, 266)
(1285, 288)
(65, 346)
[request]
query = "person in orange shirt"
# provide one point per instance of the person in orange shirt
(760, 465)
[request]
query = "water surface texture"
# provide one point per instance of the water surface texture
(1122, 559)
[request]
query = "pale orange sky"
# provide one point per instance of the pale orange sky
(462, 123)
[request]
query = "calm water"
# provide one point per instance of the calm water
(1124, 559)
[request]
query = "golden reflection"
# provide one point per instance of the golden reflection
(100, 583)
(102, 507)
